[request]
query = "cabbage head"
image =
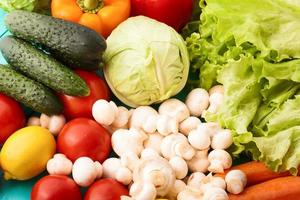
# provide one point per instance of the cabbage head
(146, 62)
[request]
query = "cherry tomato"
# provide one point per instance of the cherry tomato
(106, 189)
(84, 137)
(175, 13)
(12, 117)
(55, 187)
(75, 107)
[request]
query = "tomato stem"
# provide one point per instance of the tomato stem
(90, 6)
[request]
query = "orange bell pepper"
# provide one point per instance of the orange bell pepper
(100, 15)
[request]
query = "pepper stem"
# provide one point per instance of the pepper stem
(90, 6)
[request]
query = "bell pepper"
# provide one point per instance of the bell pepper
(175, 13)
(100, 15)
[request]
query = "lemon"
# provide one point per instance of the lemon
(26, 152)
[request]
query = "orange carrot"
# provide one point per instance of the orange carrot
(256, 172)
(283, 188)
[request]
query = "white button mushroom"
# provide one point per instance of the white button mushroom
(199, 140)
(178, 187)
(216, 89)
(222, 139)
(174, 108)
(124, 141)
(147, 153)
(112, 168)
(59, 165)
(104, 112)
(33, 121)
(84, 171)
(214, 193)
(210, 128)
(219, 160)
(44, 120)
(197, 101)
(140, 115)
(149, 126)
(196, 180)
(142, 191)
(189, 124)
(190, 194)
(129, 160)
(122, 118)
(153, 142)
(54, 123)
(236, 181)
(199, 163)
(179, 166)
(212, 181)
(155, 170)
(176, 145)
(126, 198)
(215, 100)
(166, 125)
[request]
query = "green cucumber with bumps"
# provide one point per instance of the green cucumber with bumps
(29, 92)
(41, 67)
(73, 44)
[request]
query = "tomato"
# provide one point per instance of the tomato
(12, 117)
(55, 187)
(106, 189)
(175, 13)
(75, 107)
(84, 137)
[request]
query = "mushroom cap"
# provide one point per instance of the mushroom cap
(56, 124)
(215, 193)
(222, 139)
(236, 181)
(44, 120)
(219, 160)
(59, 165)
(199, 140)
(122, 118)
(110, 167)
(34, 121)
(157, 171)
(166, 125)
(104, 112)
(216, 88)
(179, 166)
(143, 190)
(84, 171)
(196, 180)
(188, 125)
(175, 109)
(190, 194)
(124, 175)
(154, 140)
(140, 115)
(197, 101)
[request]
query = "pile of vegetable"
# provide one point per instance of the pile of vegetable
(180, 103)
(252, 49)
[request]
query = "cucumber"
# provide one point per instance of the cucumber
(41, 67)
(29, 92)
(74, 45)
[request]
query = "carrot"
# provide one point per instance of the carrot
(283, 188)
(256, 172)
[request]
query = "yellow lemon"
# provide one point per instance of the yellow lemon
(26, 152)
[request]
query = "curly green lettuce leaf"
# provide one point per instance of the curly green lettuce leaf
(41, 6)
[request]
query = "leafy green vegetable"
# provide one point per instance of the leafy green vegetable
(146, 61)
(41, 6)
(252, 47)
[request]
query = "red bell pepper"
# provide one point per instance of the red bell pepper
(175, 13)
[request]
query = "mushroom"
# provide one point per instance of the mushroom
(123, 197)
(112, 168)
(222, 139)
(155, 170)
(178, 187)
(174, 108)
(149, 126)
(140, 115)
(179, 166)
(166, 125)
(105, 112)
(236, 181)
(129, 160)
(190, 193)
(209, 128)
(143, 191)
(124, 141)
(214, 193)
(33, 121)
(196, 180)
(197, 101)
(199, 163)
(215, 100)
(85, 171)
(59, 165)
(54, 123)
(189, 124)
(219, 160)
(200, 140)
(211, 181)
(153, 142)
(216, 89)
(122, 118)
(176, 145)
(147, 153)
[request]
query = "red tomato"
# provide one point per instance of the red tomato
(106, 189)
(55, 187)
(12, 117)
(75, 107)
(175, 13)
(84, 137)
